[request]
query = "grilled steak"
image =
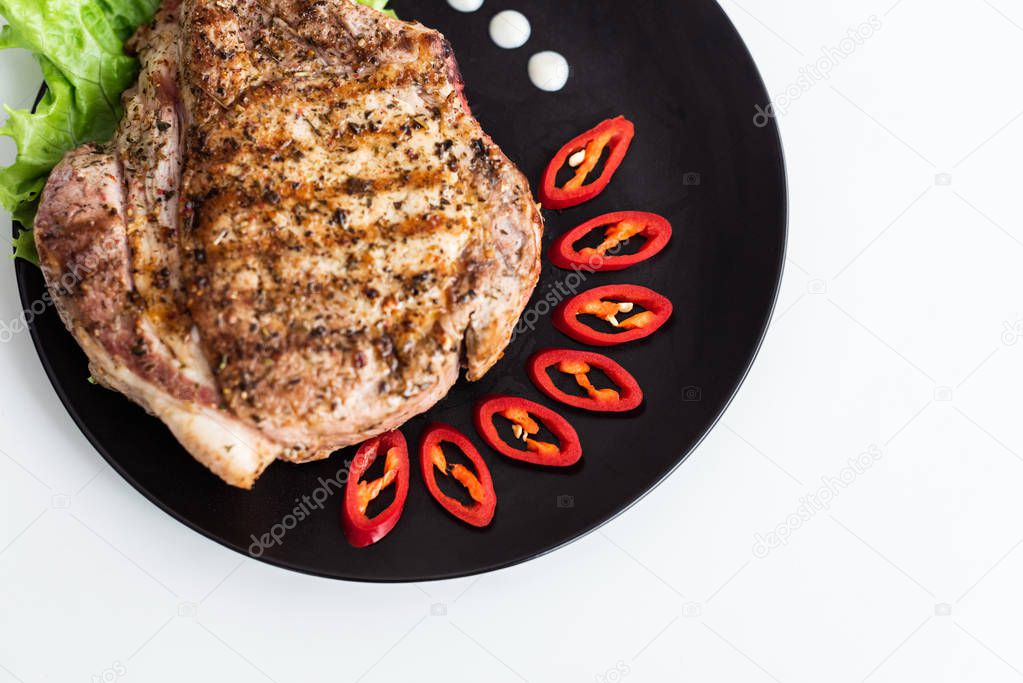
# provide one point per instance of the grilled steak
(297, 236)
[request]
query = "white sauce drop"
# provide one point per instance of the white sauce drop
(510, 29)
(466, 5)
(548, 71)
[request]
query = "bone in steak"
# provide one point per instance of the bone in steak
(297, 236)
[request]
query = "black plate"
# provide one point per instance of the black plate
(678, 70)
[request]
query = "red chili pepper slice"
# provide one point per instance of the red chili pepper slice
(359, 529)
(479, 485)
(521, 412)
(626, 397)
(619, 227)
(616, 133)
(607, 303)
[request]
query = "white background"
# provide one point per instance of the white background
(898, 330)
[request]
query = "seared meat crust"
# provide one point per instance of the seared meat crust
(299, 220)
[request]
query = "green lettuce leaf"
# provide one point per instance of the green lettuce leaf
(379, 5)
(25, 247)
(79, 45)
